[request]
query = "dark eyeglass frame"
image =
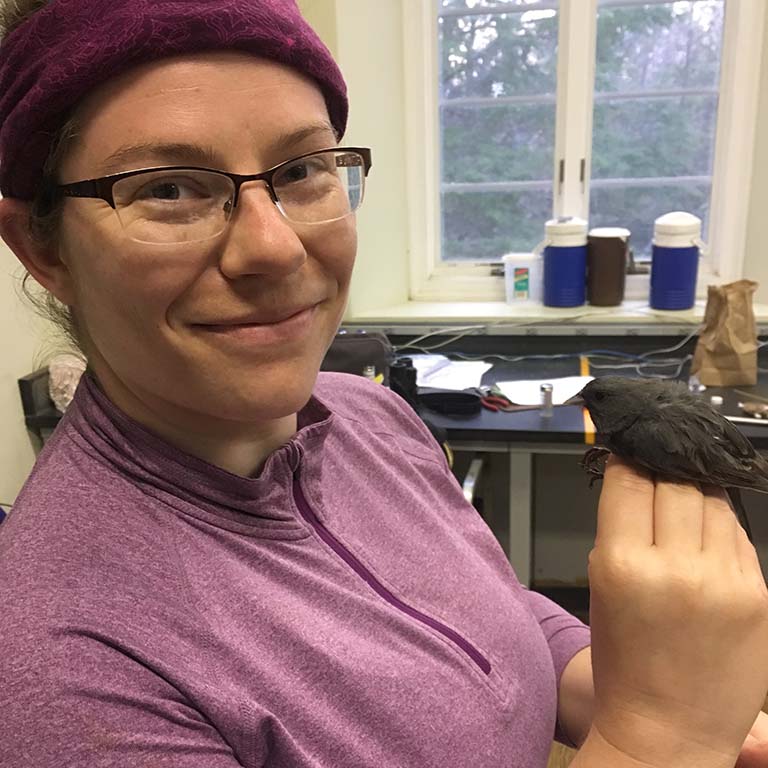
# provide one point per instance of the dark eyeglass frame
(101, 188)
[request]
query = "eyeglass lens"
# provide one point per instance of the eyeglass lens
(189, 205)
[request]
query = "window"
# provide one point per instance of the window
(497, 114)
(614, 110)
(657, 75)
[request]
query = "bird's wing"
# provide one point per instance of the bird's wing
(694, 444)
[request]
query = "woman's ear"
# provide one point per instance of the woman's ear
(41, 259)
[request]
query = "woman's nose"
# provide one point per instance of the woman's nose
(259, 239)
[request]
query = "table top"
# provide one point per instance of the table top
(567, 423)
(565, 426)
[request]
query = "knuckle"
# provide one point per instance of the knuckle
(613, 566)
(680, 489)
(624, 478)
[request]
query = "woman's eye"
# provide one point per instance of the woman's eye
(171, 190)
(165, 191)
(297, 172)
(304, 171)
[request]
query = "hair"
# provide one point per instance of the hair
(16, 12)
(45, 218)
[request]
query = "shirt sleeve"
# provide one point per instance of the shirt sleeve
(75, 700)
(565, 636)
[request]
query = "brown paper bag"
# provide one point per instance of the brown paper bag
(726, 352)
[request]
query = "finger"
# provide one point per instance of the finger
(720, 526)
(678, 517)
(625, 511)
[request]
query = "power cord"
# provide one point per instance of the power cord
(640, 363)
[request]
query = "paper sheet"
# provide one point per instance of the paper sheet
(438, 371)
(529, 392)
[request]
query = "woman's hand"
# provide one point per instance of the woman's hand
(679, 617)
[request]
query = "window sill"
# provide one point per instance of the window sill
(530, 319)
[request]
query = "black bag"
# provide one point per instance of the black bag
(354, 352)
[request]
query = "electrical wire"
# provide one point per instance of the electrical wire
(639, 368)
(751, 396)
(638, 362)
(441, 331)
(467, 329)
(677, 346)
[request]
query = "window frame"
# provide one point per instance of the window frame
(431, 280)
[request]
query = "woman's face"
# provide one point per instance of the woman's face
(229, 329)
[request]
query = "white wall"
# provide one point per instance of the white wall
(756, 255)
(365, 37)
(22, 344)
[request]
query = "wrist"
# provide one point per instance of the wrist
(646, 751)
(576, 698)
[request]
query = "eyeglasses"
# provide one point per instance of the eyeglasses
(183, 205)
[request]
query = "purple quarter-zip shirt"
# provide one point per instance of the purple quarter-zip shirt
(346, 608)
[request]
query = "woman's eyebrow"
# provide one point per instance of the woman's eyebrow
(146, 154)
(178, 153)
(290, 139)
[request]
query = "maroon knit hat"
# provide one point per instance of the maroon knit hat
(61, 52)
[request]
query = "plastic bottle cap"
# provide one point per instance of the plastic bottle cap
(678, 223)
(566, 225)
(610, 232)
(514, 258)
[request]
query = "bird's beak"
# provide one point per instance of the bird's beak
(575, 400)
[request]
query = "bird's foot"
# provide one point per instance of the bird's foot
(593, 462)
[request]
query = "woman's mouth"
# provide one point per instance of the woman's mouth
(265, 330)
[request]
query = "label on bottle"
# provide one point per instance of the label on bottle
(522, 282)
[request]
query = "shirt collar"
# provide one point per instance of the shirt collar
(262, 505)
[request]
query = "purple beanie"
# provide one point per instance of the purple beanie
(56, 57)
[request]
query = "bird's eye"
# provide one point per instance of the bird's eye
(660, 398)
(599, 396)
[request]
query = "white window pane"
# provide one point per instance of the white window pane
(497, 55)
(658, 46)
(636, 207)
(483, 226)
(498, 78)
(654, 121)
(672, 136)
(512, 143)
(477, 4)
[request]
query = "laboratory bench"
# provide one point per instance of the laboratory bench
(533, 481)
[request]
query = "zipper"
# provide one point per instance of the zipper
(308, 514)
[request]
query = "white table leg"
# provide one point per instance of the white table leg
(520, 514)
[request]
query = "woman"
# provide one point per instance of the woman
(222, 559)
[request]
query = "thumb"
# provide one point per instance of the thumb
(754, 754)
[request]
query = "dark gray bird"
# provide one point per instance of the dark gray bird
(660, 425)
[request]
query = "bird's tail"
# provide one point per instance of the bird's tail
(734, 494)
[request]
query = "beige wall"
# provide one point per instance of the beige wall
(321, 14)
(21, 347)
(367, 31)
(756, 256)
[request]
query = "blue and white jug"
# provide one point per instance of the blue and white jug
(675, 260)
(565, 262)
